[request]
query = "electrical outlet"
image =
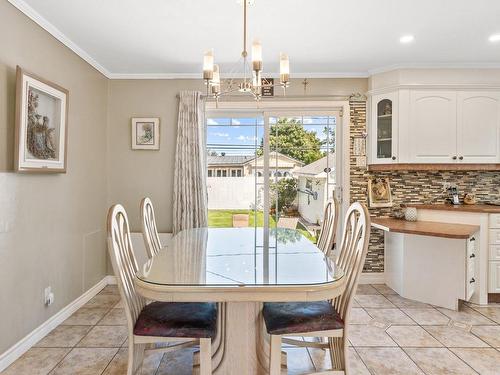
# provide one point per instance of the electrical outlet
(48, 296)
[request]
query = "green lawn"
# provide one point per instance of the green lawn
(224, 219)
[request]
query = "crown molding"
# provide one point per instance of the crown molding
(58, 34)
(390, 68)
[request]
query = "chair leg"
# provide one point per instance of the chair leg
(205, 356)
(338, 353)
(275, 356)
(135, 357)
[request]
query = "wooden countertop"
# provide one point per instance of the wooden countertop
(480, 208)
(425, 228)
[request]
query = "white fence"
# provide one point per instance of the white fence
(226, 193)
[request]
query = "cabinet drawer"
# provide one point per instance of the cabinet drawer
(494, 237)
(494, 220)
(494, 252)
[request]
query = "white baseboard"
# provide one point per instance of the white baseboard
(22, 346)
(111, 280)
(372, 278)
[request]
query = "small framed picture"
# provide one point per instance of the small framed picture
(379, 192)
(146, 133)
(41, 125)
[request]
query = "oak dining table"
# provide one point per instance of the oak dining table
(240, 268)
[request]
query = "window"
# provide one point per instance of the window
(224, 173)
(239, 173)
(233, 173)
(209, 173)
(219, 173)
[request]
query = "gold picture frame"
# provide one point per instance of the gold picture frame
(41, 133)
(379, 192)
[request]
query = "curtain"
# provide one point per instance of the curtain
(190, 184)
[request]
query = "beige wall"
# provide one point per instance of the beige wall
(51, 226)
(135, 174)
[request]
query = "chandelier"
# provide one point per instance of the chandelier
(252, 82)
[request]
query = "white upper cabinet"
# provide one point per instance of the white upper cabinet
(433, 127)
(478, 127)
(384, 125)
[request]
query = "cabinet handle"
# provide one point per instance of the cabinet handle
(472, 281)
(454, 157)
(461, 158)
(472, 239)
(393, 158)
(472, 256)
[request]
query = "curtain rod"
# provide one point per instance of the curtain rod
(242, 98)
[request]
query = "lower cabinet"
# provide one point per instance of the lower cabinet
(494, 276)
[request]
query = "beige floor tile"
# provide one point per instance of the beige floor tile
(383, 289)
(85, 361)
(118, 365)
(364, 289)
(373, 301)
(103, 301)
(390, 316)
(86, 316)
(453, 337)
(179, 362)
(369, 335)
(110, 289)
(490, 312)
(63, 337)
(407, 303)
(37, 361)
(412, 336)
(119, 305)
(321, 361)
(466, 315)
(388, 361)
(104, 337)
(427, 316)
(298, 361)
(490, 334)
(359, 316)
(438, 361)
(484, 361)
(115, 317)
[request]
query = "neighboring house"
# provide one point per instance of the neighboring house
(243, 166)
(312, 188)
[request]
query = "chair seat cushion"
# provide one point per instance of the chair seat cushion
(177, 319)
(296, 317)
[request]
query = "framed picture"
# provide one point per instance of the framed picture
(146, 133)
(379, 192)
(41, 125)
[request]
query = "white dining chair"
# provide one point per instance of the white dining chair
(149, 229)
(328, 233)
(323, 318)
(158, 322)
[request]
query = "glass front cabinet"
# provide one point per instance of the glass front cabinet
(383, 129)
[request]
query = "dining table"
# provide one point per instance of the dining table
(240, 269)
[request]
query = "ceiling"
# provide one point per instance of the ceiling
(324, 38)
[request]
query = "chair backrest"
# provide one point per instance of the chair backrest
(124, 262)
(352, 254)
(328, 234)
(149, 230)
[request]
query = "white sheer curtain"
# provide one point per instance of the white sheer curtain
(190, 184)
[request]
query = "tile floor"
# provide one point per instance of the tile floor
(389, 335)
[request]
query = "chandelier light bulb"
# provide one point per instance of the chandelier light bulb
(208, 65)
(284, 68)
(257, 55)
(216, 80)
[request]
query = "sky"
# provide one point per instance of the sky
(241, 136)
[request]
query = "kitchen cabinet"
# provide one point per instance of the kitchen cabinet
(432, 126)
(494, 258)
(384, 122)
(478, 127)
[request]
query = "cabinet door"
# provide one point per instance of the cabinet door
(478, 127)
(383, 134)
(494, 277)
(433, 127)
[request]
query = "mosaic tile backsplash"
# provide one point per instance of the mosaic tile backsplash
(411, 187)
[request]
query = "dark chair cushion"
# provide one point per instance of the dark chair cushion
(177, 319)
(296, 317)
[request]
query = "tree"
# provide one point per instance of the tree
(286, 191)
(290, 138)
(329, 138)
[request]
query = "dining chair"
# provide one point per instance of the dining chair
(185, 324)
(149, 229)
(323, 318)
(328, 233)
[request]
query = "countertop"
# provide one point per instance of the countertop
(480, 208)
(425, 228)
